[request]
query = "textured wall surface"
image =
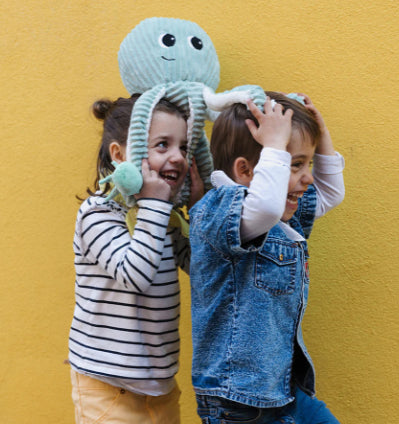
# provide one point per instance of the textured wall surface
(58, 56)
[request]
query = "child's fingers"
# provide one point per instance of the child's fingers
(313, 109)
(308, 103)
(251, 126)
(268, 107)
(288, 113)
(310, 106)
(196, 182)
(145, 167)
(194, 174)
(194, 168)
(197, 185)
(306, 99)
(256, 112)
(251, 105)
(146, 171)
(278, 108)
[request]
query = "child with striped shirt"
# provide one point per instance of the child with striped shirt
(124, 340)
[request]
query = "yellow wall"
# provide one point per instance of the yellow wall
(57, 57)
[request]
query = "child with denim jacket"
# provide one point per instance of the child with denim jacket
(249, 264)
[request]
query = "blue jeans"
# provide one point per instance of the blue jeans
(304, 410)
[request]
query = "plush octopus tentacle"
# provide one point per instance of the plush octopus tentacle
(220, 101)
(140, 124)
(201, 149)
(198, 142)
(199, 111)
(204, 160)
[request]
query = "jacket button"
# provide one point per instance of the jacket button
(281, 257)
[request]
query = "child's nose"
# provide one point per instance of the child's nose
(308, 177)
(176, 155)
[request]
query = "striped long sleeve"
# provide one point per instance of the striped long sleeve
(127, 293)
(131, 261)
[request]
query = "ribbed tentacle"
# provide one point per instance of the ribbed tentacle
(177, 94)
(199, 146)
(140, 122)
(204, 161)
(187, 96)
(198, 109)
(256, 93)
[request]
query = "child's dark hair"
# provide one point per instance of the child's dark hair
(116, 116)
(231, 137)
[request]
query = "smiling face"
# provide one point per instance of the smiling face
(302, 151)
(167, 149)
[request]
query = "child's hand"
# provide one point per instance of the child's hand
(325, 146)
(153, 185)
(197, 185)
(274, 125)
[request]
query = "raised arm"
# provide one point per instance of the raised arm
(328, 166)
(265, 202)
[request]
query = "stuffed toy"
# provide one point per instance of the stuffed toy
(176, 60)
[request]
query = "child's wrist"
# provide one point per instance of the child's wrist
(325, 145)
(275, 144)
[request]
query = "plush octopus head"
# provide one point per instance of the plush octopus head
(164, 50)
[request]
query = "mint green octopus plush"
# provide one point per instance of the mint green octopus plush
(173, 59)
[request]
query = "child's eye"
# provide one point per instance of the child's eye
(162, 145)
(296, 165)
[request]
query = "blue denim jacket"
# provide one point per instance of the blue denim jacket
(248, 303)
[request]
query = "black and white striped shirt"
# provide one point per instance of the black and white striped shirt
(126, 317)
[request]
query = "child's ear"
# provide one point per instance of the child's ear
(242, 171)
(117, 152)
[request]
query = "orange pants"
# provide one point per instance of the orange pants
(97, 402)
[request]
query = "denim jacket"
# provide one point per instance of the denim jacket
(248, 303)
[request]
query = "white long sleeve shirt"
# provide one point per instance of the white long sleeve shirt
(267, 193)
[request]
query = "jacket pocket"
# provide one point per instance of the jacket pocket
(276, 268)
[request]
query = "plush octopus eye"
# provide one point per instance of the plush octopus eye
(195, 42)
(167, 40)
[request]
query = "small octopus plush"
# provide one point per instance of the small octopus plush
(173, 59)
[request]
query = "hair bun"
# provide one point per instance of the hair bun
(101, 108)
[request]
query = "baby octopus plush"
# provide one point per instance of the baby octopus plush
(173, 59)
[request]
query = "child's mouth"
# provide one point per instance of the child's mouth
(292, 198)
(170, 177)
